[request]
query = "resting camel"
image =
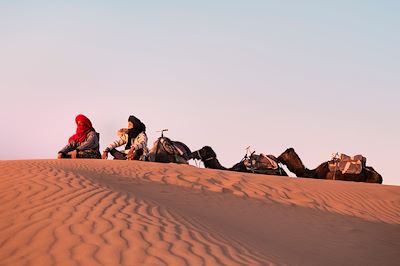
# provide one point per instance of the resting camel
(165, 150)
(295, 165)
(209, 158)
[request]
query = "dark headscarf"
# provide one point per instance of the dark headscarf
(138, 127)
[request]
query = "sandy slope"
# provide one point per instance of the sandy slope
(94, 212)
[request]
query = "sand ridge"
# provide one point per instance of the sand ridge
(373, 202)
(95, 212)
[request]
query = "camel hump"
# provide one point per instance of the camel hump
(348, 164)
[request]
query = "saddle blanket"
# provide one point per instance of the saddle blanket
(347, 164)
(261, 162)
(172, 147)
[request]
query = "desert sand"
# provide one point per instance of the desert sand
(98, 212)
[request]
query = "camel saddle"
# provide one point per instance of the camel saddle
(347, 164)
(172, 147)
(258, 163)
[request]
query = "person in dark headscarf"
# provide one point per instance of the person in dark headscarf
(135, 140)
(84, 143)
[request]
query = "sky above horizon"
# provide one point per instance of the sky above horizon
(318, 76)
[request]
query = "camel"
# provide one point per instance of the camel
(209, 158)
(165, 150)
(295, 165)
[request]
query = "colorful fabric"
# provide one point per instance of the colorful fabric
(347, 164)
(261, 162)
(82, 129)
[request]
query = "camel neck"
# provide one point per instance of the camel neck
(213, 164)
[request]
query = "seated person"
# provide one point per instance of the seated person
(84, 144)
(135, 139)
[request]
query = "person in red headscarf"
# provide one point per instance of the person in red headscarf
(84, 143)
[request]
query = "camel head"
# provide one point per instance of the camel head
(204, 154)
(372, 175)
(292, 161)
(286, 155)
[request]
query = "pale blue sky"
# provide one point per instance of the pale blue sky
(319, 76)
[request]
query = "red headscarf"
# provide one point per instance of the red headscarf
(82, 130)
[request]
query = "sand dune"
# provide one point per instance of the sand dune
(95, 212)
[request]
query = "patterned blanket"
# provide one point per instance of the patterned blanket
(261, 162)
(347, 164)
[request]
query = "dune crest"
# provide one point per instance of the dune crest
(95, 212)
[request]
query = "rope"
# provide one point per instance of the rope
(335, 158)
(198, 153)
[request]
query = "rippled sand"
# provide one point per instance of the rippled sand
(97, 212)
